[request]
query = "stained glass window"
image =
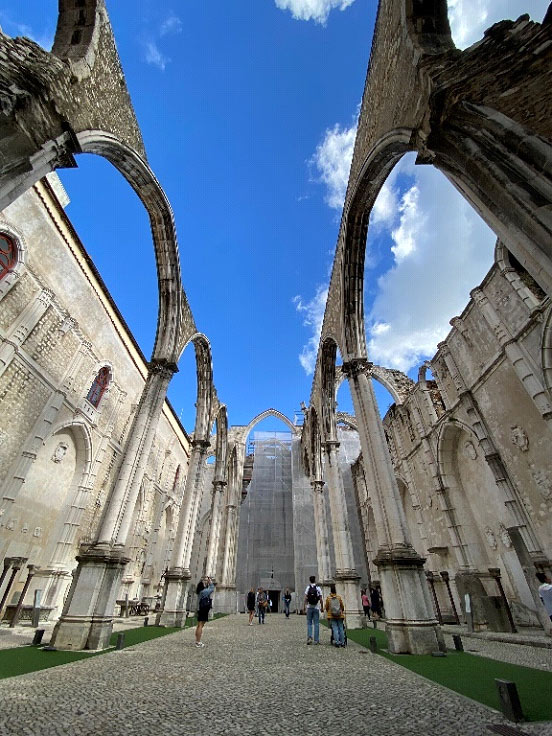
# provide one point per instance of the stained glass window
(8, 254)
(98, 388)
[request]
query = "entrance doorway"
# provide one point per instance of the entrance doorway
(275, 600)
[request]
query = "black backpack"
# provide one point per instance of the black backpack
(313, 596)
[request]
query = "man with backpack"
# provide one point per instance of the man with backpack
(336, 615)
(313, 606)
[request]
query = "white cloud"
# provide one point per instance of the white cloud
(332, 159)
(317, 10)
(442, 250)
(470, 18)
(44, 38)
(313, 312)
(154, 55)
(172, 24)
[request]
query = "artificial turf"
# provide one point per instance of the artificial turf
(473, 676)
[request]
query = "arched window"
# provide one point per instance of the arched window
(8, 254)
(99, 386)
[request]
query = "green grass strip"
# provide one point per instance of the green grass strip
(473, 676)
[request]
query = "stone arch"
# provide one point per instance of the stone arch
(466, 535)
(347, 419)
(136, 171)
(221, 445)
(546, 350)
(377, 166)
(17, 269)
(328, 392)
(269, 413)
(204, 373)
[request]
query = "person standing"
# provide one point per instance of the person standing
(287, 602)
(336, 615)
(313, 605)
(545, 591)
(204, 590)
(251, 605)
(261, 605)
(365, 603)
(376, 602)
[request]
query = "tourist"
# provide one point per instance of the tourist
(336, 615)
(261, 605)
(287, 602)
(204, 591)
(251, 605)
(545, 591)
(313, 599)
(376, 602)
(365, 603)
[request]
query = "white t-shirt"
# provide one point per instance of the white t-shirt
(318, 590)
(545, 592)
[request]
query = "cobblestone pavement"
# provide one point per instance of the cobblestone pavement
(247, 680)
(536, 657)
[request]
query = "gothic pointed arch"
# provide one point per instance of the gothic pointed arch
(270, 413)
(204, 375)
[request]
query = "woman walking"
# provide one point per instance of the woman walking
(366, 603)
(204, 591)
(251, 605)
(262, 604)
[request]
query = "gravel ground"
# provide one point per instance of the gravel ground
(247, 680)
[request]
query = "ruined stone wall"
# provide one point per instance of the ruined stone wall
(58, 326)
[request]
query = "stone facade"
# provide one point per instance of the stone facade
(470, 447)
(59, 454)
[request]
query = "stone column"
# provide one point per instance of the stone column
(214, 532)
(346, 577)
(87, 618)
(177, 578)
(516, 353)
(321, 534)
(25, 324)
(411, 625)
(226, 600)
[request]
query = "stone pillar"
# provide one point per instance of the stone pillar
(321, 533)
(25, 324)
(87, 618)
(411, 625)
(516, 353)
(177, 578)
(17, 613)
(214, 532)
(346, 577)
(226, 599)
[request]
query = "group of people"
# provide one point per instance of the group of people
(259, 603)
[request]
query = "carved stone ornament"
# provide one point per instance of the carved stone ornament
(469, 450)
(543, 482)
(519, 438)
(491, 539)
(504, 536)
(60, 452)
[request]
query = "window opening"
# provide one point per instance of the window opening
(8, 254)
(99, 387)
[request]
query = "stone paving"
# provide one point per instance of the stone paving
(537, 657)
(247, 680)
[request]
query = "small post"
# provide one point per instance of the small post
(375, 623)
(17, 562)
(457, 639)
(17, 613)
(35, 617)
(446, 578)
(146, 621)
(509, 700)
(126, 605)
(431, 582)
(120, 640)
(495, 572)
(469, 614)
(37, 638)
(373, 644)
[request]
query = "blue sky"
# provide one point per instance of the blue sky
(248, 112)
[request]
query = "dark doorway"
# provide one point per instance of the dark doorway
(275, 599)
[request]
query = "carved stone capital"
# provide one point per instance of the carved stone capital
(405, 556)
(219, 485)
(318, 486)
(201, 444)
(163, 368)
(356, 366)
